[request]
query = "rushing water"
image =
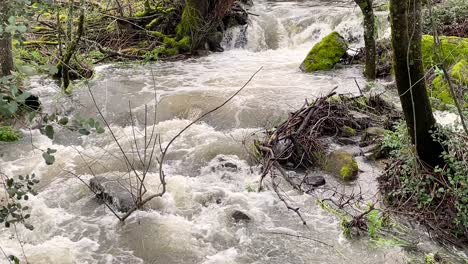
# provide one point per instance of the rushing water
(192, 223)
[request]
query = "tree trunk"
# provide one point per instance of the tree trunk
(64, 67)
(6, 54)
(409, 75)
(369, 37)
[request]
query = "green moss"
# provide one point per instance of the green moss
(8, 134)
(460, 71)
(384, 7)
(184, 44)
(141, 13)
(348, 131)
(440, 90)
(325, 54)
(341, 163)
(39, 42)
(153, 23)
(189, 25)
(458, 74)
(349, 170)
(452, 49)
(158, 34)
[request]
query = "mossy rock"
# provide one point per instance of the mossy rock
(373, 134)
(8, 134)
(459, 76)
(325, 54)
(347, 131)
(342, 164)
(452, 49)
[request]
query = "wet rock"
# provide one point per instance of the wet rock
(214, 42)
(372, 135)
(314, 181)
(374, 152)
(347, 131)
(362, 119)
(346, 141)
(237, 16)
(32, 102)
(112, 192)
(342, 164)
(239, 216)
(225, 164)
(325, 54)
(207, 197)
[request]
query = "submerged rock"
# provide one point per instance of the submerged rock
(112, 192)
(372, 135)
(239, 216)
(325, 54)
(314, 181)
(225, 163)
(342, 164)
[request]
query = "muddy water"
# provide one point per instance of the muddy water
(192, 223)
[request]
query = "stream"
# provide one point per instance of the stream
(192, 222)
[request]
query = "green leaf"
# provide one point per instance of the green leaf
(29, 226)
(92, 122)
(100, 130)
(49, 132)
(49, 159)
(12, 20)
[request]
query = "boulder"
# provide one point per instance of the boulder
(372, 135)
(112, 192)
(342, 164)
(347, 131)
(459, 77)
(325, 54)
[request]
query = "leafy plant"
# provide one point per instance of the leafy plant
(18, 190)
(438, 196)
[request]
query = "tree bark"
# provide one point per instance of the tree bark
(64, 67)
(409, 75)
(369, 37)
(6, 53)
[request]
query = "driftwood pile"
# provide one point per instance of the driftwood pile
(301, 141)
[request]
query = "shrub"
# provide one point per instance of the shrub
(436, 197)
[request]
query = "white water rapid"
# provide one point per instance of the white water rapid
(192, 222)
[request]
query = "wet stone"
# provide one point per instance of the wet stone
(314, 181)
(239, 216)
(112, 192)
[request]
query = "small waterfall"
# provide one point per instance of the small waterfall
(292, 26)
